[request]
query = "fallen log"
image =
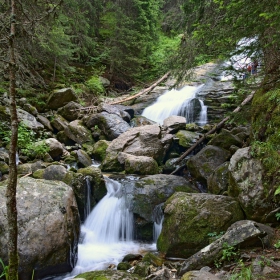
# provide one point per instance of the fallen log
(146, 90)
(218, 126)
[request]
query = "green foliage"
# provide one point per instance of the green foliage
(5, 270)
(277, 244)
(241, 272)
(215, 234)
(228, 253)
(95, 85)
(26, 141)
(277, 215)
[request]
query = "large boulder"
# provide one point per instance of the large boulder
(48, 227)
(99, 149)
(149, 193)
(78, 132)
(29, 120)
(174, 123)
(204, 163)
(190, 217)
(240, 234)
(71, 111)
(124, 112)
(187, 138)
(111, 125)
(61, 97)
(56, 150)
(246, 185)
(141, 165)
(83, 159)
(138, 141)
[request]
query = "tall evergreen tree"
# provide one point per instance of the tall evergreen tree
(129, 29)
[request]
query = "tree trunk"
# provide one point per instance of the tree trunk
(12, 182)
(165, 76)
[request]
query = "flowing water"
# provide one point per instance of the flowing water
(107, 234)
(183, 102)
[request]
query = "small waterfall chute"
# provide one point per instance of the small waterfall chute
(158, 220)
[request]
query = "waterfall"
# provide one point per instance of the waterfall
(87, 198)
(107, 234)
(158, 220)
(203, 114)
(181, 102)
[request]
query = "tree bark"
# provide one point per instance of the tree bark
(12, 182)
(218, 126)
(143, 91)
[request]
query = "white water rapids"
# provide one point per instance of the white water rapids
(177, 103)
(107, 233)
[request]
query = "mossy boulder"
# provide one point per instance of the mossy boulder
(96, 180)
(71, 111)
(60, 98)
(99, 149)
(225, 140)
(82, 158)
(4, 168)
(187, 138)
(151, 258)
(190, 217)
(5, 115)
(78, 132)
(109, 275)
(123, 266)
(204, 163)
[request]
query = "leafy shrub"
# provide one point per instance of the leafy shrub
(26, 140)
(95, 85)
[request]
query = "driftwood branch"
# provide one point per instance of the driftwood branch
(143, 91)
(218, 126)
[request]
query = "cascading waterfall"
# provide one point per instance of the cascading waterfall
(107, 234)
(87, 198)
(182, 102)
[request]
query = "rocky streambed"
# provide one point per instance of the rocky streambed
(219, 198)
